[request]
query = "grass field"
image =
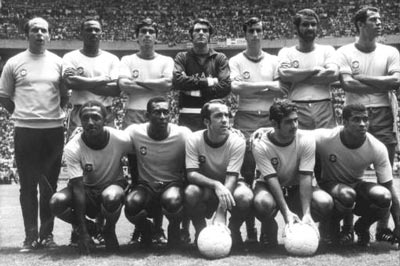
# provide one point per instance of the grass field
(12, 235)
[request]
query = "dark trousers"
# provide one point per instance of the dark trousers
(38, 154)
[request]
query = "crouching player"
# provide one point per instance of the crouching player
(285, 158)
(96, 183)
(214, 157)
(345, 154)
(160, 153)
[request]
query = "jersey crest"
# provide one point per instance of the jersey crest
(202, 159)
(135, 73)
(23, 72)
(246, 75)
(275, 163)
(143, 150)
(80, 71)
(355, 67)
(88, 168)
(295, 64)
(332, 158)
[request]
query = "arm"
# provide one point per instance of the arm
(244, 88)
(306, 195)
(224, 195)
(385, 82)
(222, 83)
(326, 75)
(220, 214)
(183, 82)
(276, 191)
(395, 209)
(109, 89)
(160, 85)
(76, 82)
(79, 206)
(295, 75)
(351, 84)
(8, 104)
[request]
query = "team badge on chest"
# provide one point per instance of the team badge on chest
(135, 73)
(275, 162)
(332, 158)
(296, 64)
(80, 70)
(246, 75)
(23, 72)
(88, 168)
(143, 150)
(202, 159)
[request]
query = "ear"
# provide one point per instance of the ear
(274, 124)
(206, 122)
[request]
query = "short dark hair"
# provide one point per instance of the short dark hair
(93, 103)
(362, 15)
(350, 108)
(147, 22)
(202, 21)
(28, 23)
(205, 112)
(304, 13)
(280, 109)
(157, 99)
(89, 19)
(250, 22)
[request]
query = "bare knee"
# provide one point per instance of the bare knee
(112, 197)
(346, 196)
(380, 196)
(59, 202)
(135, 202)
(321, 204)
(192, 195)
(172, 200)
(264, 205)
(243, 196)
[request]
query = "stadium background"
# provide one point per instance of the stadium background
(174, 17)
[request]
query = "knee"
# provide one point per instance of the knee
(347, 197)
(321, 204)
(172, 202)
(59, 202)
(192, 195)
(243, 197)
(112, 198)
(264, 206)
(381, 196)
(134, 202)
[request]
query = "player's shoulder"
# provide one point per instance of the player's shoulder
(73, 146)
(375, 143)
(324, 133)
(324, 47)
(107, 54)
(236, 133)
(388, 49)
(53, 55)
(72, 53)
(346, 47)
(180, 129)
(135, 127)
(305, 136)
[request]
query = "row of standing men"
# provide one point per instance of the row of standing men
(34, 85)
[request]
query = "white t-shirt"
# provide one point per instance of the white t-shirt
(321, 56)
(105, 64)
(99, 168)
(159, 160)
(264, 70)
(215, 162)
(32, 81)
(285, 162)
(344, 165)
(383, 61)
(140, 69)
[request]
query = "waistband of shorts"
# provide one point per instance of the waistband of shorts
(313, 101)
(185, 110)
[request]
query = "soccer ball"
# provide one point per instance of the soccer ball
(215, 241)
(301, 239)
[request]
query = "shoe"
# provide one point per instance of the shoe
(346, 236)
(384, 234)
(158, 237)
(269, 235)
(95, 231)
(174, 235)
(185, 236)
(135, 238)
(251, 236)
(48, 242)
(29, 245)
(146, 234)
(73, 242)
(363, 235)
(111, 240)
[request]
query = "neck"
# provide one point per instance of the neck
(201, 49)
(351, 141)
(40, 50)
(90, 51)
(305, 46)
(216, 138)
(280, 139)
(97, 142)
(365, 44)
(146, 53)
(158, 133)
(254, 51)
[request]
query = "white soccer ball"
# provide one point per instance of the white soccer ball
(301, 239)
(215, 241)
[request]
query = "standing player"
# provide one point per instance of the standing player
(96, 183)
(90, 73)
(309, 68)
(144, 75)
(200, 74)
(254, 75)
(213, 160)
(369, 72)
(30, 89)
(160, 152)
(345, 154)
(285, 158)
